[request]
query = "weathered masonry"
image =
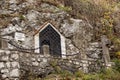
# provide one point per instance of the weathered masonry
(49, 41)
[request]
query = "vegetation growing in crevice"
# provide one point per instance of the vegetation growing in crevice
(103, 15)
(59, 74)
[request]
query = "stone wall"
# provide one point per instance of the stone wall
(9, 65)
(14, 64)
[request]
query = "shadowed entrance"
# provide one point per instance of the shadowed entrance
(50, 42)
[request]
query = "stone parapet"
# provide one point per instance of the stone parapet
(14, 64)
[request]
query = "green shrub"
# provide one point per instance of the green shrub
(105, 74)
(29, 75)
(91, 77)
(66, 75)
(109, 74)
(79, 74)
(21, 17)
(67, 9)
(117, 65)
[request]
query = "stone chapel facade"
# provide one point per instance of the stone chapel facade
(50, 37)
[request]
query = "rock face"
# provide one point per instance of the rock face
(28, 16)
(117, 28)
(79, 32)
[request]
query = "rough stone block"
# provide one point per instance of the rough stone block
(21, 54)
(7, 52)
(14, 79)
(15, 64)
(12, 1)
(1, 51)
(84, 65)
(33, 59)
(8, 64)
(35, 63)
(44, 60)
(43, 64)
(4, 71)
(7, 79)
(84, 61)
(4, 76)
(15, 56)
(5, 58)
(2, 65)
(39, 59)
(77, 63)
(14, 73)
(27, 55)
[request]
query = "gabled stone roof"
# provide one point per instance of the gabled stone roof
(44, 26)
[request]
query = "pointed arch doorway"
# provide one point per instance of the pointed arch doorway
(50, 41)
